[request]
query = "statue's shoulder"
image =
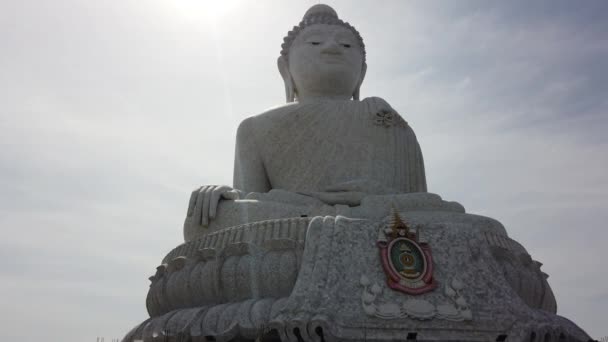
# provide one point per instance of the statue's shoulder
(269, 117)
(261, 123)
(275, 113)
(384, 113)
(282, 118)
(377, 104)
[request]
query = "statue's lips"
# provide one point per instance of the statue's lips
(333, 59)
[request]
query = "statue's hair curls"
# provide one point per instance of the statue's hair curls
(326, 16)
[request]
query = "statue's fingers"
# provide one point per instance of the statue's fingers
(187, 222)
(206, 199)
(198, 207)
(345, 198)
(355, 198)
(345, 186)
(192, 202)
(216, 195)
(326, 197)
(351, 198)
(335, 188)
(338, 197)
(231, 195)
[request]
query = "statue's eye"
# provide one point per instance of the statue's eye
(315, 43)
(346, 45)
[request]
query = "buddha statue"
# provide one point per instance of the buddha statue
(328, 232)
(324, 143)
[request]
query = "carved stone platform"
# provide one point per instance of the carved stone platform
(321, 279)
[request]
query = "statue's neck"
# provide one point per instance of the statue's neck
(314, 97)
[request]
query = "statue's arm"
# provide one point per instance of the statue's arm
(249, 176)
(417, 173)
(249, 171)
(415, 163)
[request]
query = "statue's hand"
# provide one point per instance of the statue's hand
(203, 203)
(350, 193)
(366, 186)
(350, 198)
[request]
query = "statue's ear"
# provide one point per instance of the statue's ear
(290, 91)
(356, 94)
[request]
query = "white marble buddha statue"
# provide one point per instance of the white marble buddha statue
(302, 247)
(324, 143)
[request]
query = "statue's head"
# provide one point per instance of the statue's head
(322, 57)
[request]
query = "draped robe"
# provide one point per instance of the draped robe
(305, 147)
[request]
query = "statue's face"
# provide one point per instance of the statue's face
(326, 60)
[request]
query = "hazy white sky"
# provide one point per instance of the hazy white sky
(111, 112)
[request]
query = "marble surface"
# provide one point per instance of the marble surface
(326, 142)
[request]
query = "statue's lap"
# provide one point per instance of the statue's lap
(278, 204)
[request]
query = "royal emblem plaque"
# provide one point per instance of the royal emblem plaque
(407, 262)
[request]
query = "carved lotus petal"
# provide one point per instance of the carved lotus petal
(461, 302)
(369, 309)
(367, 297)
(457, 284)
(389, 310)
(467, 314)
(449, 291)
(447, 310)
(364, 281)
(419, 308)
(376, 289)
(177, 264)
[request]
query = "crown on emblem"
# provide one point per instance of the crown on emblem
(399, 228)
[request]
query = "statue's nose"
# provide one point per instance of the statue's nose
(332, 48)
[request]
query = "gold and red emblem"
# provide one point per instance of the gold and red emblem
(407, 262)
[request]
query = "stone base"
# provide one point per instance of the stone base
(322, 279)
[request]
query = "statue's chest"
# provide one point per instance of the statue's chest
(346, 139)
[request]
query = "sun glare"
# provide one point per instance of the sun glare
(210, 11)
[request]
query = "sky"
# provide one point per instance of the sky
(112, 112)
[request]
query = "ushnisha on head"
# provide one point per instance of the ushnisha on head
(322, 58)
